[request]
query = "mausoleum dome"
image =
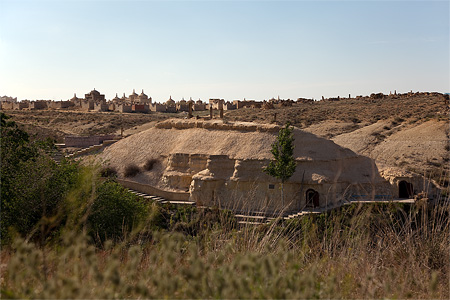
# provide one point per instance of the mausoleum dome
(170, 102)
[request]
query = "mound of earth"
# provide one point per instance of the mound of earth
(414, 146)
(237, 141)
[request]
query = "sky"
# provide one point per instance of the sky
(222, 49)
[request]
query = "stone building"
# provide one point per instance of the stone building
(133, 97)
(76, 101)
(123, 107)
(182, 105)
(94, 96)
(101, 106)
(171, 106)
(247, 104)
(144, 99)
(39, 104)
(87, 105)
(21, 105)
(60, 104)
(140, 108)
(199, 105)
(158, 107)
(216, 104)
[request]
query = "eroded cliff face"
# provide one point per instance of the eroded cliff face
(241, 184)
(180, 169)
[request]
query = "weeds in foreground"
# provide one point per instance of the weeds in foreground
(354, 252)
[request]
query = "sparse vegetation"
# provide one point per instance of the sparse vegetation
(108, 171)
(131, 170)
(148, 166)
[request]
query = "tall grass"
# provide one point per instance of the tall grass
(359, 251)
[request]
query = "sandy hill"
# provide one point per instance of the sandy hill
(238, 140)
(417, 146)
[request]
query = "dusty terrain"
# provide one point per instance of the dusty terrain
(59, 123)
(410, 132)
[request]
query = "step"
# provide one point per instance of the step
(182, 202)
(251, 217)
(250, 223)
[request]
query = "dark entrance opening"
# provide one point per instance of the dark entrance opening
(405, 189)
(312, 198)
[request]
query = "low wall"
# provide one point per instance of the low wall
(187, 124)
(150, 190)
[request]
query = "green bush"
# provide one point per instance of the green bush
(33, 186)
(114, 212)
(108, 172)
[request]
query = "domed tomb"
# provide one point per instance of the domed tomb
(170, 102)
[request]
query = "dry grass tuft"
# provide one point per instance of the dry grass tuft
(148, 166)
(131, 170)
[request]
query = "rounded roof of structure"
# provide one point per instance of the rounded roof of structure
(170, 102)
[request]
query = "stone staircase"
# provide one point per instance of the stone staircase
(160, 199)
(244, 219)
(87, 149)
(57, 156)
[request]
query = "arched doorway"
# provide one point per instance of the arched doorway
(312, 198)
(405, 189)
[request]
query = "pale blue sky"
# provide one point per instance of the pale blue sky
(222, 49)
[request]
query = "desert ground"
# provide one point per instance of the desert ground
(410, 132)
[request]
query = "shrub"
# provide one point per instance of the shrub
(108, 172)
(148, 166)
(115, 212)
(33, 187)
(131, 170)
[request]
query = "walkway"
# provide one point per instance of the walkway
(257, 218)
